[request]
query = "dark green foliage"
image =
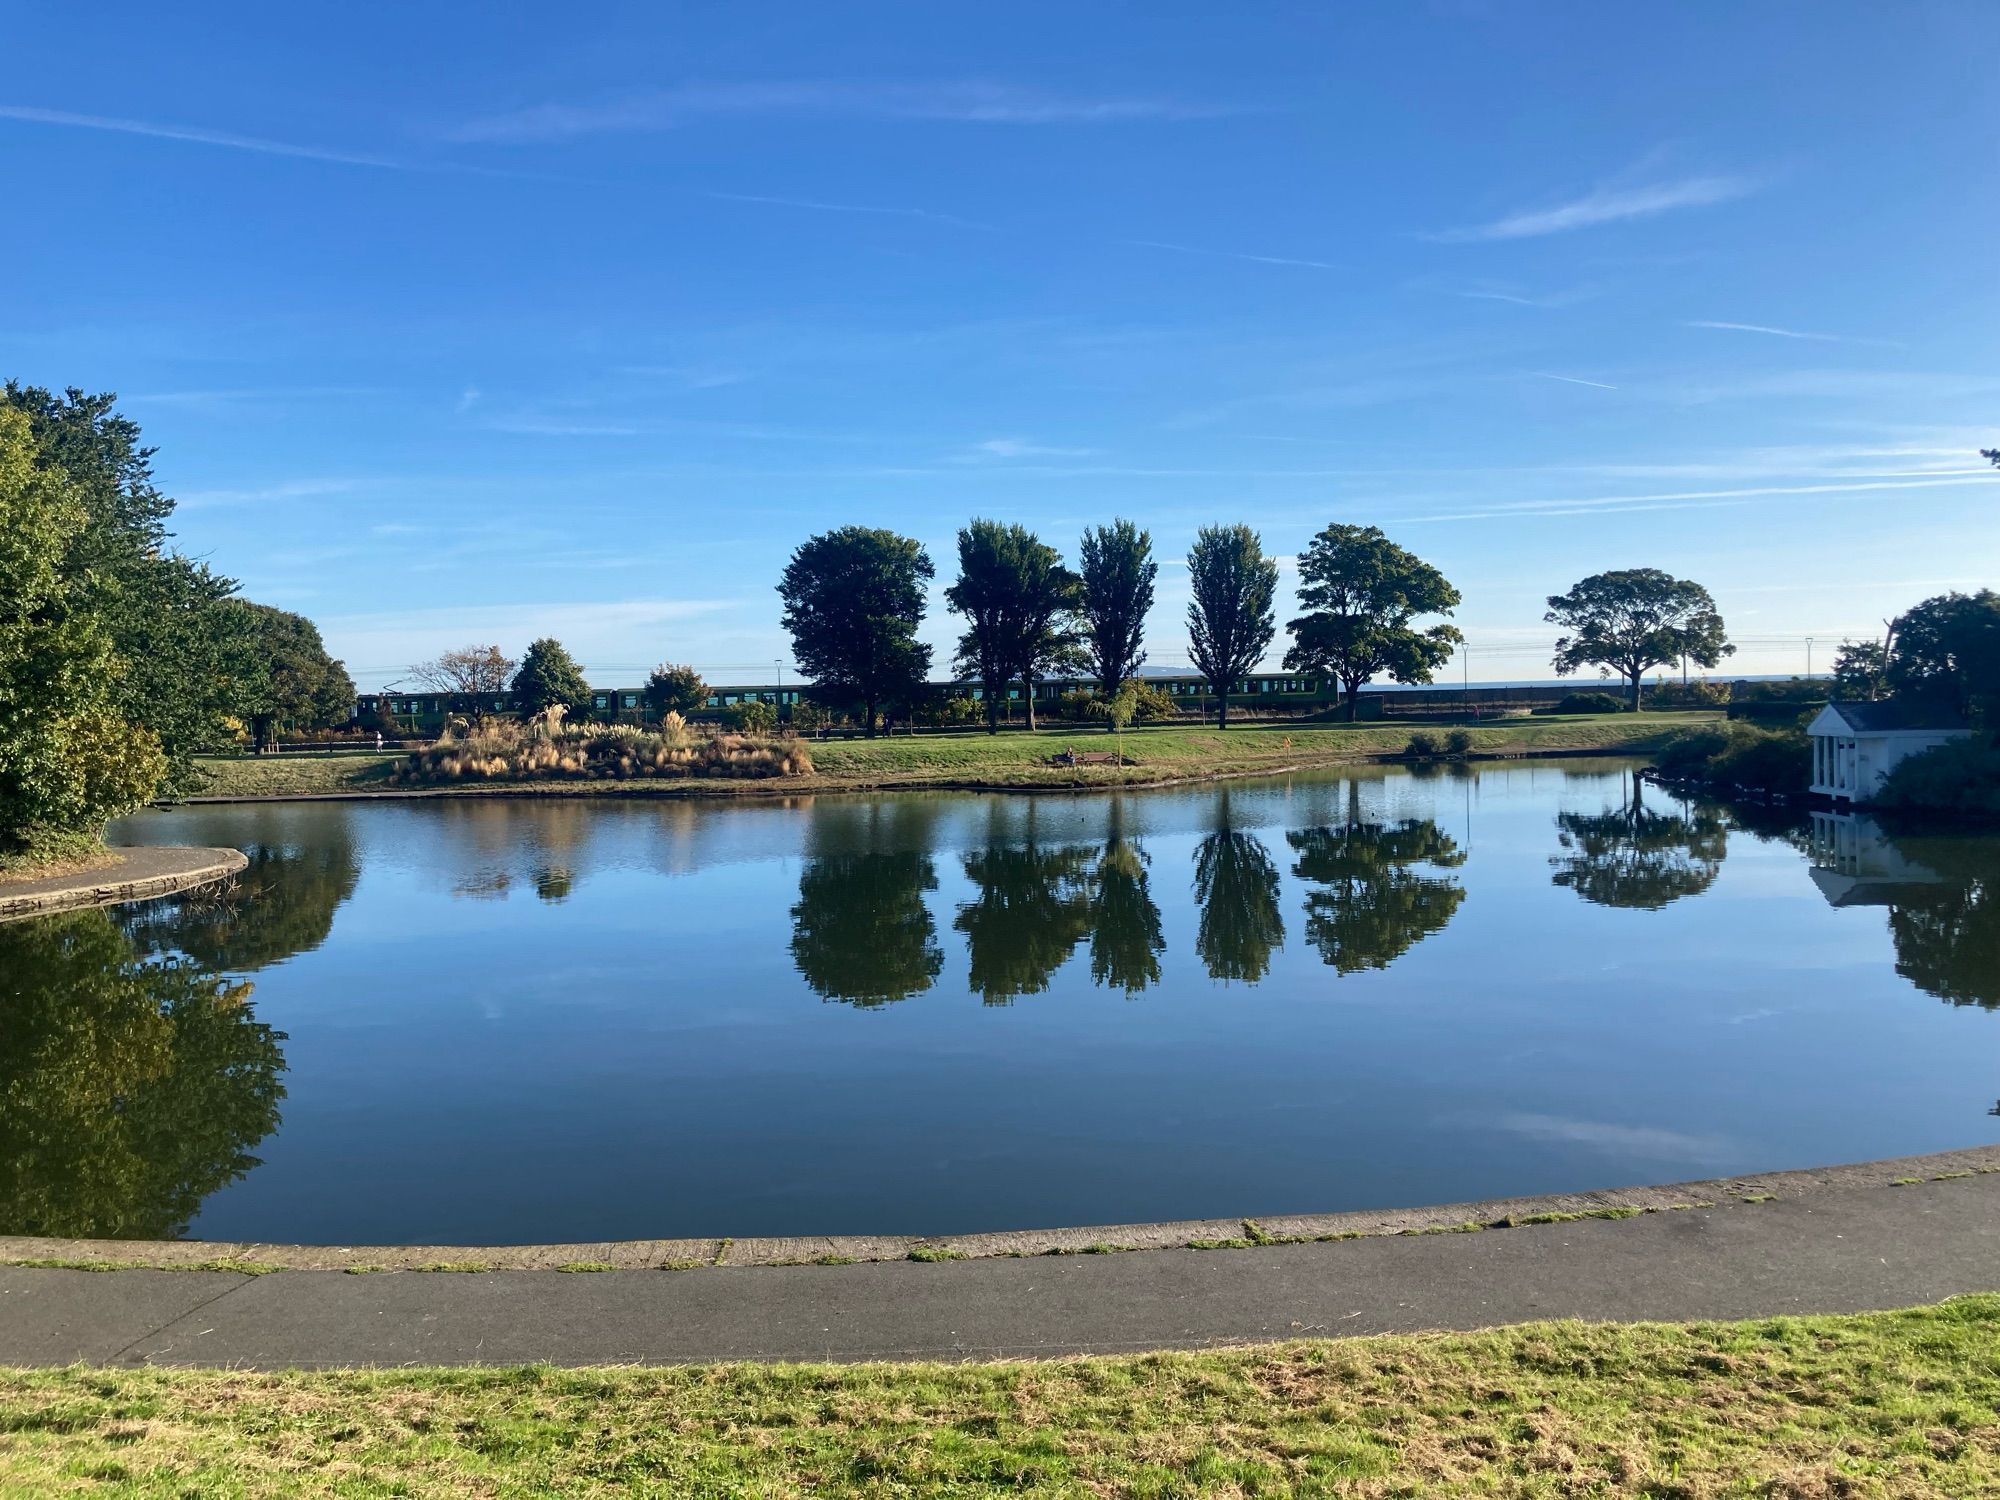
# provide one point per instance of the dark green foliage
(548, 676)
(288, 681)
(1860, 670)
(68, 759)
(1639, 857)
(860, 931)
(1019, 604)
(1458, 742)
(1361, 591)
(1423, 745)
(1947, 933)
(280, 906)
(675, 689)
(1118, 573)
(853, 601)
(178, 656)
(1374, 901)
(1230, 618)
(1031, 910)
(1589, 703)
(1236, 886)
(1126, 936)
(1633, 619)
(1740, 758)
(1946, 654)
(129, 1089)
(1960, 779)
(753, 716)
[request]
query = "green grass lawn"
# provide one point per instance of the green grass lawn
(1017, 758)
(1898, 1403)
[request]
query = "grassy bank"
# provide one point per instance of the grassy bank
(1896, 1403)
(1020, 759)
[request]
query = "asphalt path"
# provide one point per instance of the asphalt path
(1845, 1251)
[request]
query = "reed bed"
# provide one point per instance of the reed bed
(509, 751)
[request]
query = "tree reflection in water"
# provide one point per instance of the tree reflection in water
(1372, 906)
(1236, 886)
(1126, 934)
(1635, 856)
(860, 929)
(1942, 893)
(130, 1087)
(1032, 908)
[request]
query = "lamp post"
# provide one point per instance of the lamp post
(1809, 646)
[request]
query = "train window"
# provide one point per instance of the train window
(631, 700)
(598, 701)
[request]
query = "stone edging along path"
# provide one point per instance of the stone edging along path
(139, 874)
(1192, 1234)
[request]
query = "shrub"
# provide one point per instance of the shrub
(1458, 742)
(1740, 758)
(751, 717)
(1961, 778)
(1589, 703)
(1154, 703)
(602, 752)
(1423, 745)
(1697, 694)
(1080, 703)
(676, 689)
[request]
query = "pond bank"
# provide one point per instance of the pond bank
(128, 875)
(1165, 756)
(1799, 1186)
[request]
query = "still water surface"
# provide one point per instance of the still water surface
(494, 1021)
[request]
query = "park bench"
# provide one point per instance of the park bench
(1088, 758)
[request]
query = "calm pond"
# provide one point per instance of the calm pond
(494, 1021)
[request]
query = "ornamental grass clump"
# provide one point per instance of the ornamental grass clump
(543, 751)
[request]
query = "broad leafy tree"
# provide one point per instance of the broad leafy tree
(1637, 857)
(69, 759)
(1946, 653)
(178, 655)
(853, 601)
(466, 669)
(1230, 618)
(1633, 619)
(1860, 670)
(287, 679)
(130, 1089)
(1117, 577)
(1361, 592)
(548, 676)
(674, 689)
(1019, 604)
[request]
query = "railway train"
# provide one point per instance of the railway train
(1265, 692)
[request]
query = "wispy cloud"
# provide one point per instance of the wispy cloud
(1004, 448)
(1262, 260)
(1607, 205)
(822, 206)
(1572, 380)
(1781, 333)
(1702, 499)
(302, 489)
(195, 135)
(969, 102)
(468, 398)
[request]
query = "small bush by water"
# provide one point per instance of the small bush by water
(1740, 757)
(1589, 703)
(505, 751)
(1961, 779)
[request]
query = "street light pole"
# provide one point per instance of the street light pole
(1809, 646)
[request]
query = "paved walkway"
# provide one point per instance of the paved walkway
(137, 874)
(1839, 1251)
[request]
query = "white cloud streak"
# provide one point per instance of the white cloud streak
(821, 206)
(664, 109)
(1782, 333)
(194, 135)
(1262, 260)
(1572, 380)
(1608, 205)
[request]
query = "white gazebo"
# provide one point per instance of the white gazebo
(1856, 745)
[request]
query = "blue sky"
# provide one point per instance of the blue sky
(485, 322)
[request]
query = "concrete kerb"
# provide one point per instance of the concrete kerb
(1196, 1234)
(139, 874)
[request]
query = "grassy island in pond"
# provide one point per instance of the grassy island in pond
(1898, 1403)
(1154, 754)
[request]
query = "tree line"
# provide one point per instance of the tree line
(120, 659)
(854, 601)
